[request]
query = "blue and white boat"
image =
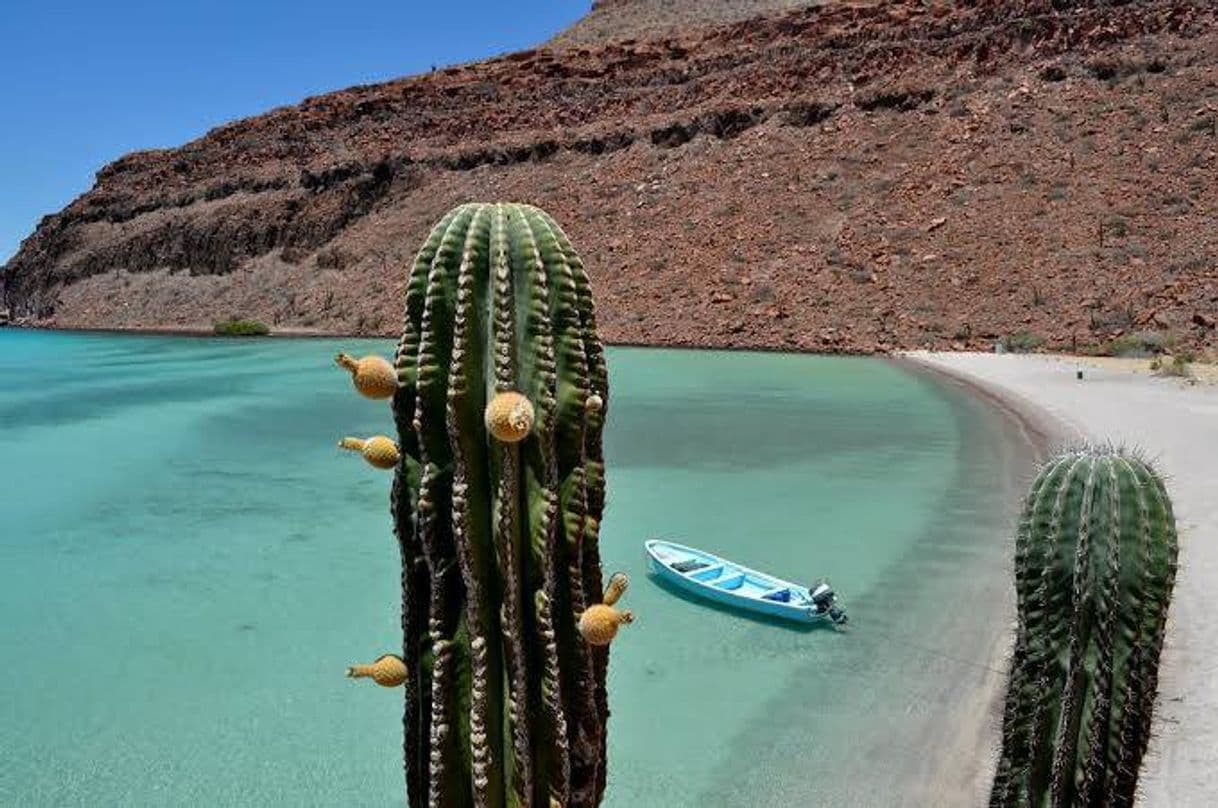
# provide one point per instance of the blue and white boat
(709, 576)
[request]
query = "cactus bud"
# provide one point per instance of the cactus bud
(388, 671)
(373, 376)
(599, 623)
(617, 585)
(509, 417)
(378, 450)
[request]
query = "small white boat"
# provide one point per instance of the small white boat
(709, 576)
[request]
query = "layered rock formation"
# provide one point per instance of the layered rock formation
(850, 177)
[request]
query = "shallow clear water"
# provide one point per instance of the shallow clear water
(187, 564)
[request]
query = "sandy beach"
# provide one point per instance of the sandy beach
(1176, 424)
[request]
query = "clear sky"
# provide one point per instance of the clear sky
(85, 81)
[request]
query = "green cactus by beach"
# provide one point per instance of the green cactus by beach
(1095, 562)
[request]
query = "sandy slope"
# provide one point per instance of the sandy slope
(1177, 424)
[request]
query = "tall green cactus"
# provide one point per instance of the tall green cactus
(497, 499)
(1095, 560)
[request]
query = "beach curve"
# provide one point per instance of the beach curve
(1176, 425)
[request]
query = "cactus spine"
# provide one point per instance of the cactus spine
(499, 395)
(1095, 561)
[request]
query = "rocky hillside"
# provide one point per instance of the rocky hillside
(646, 19)
(850, 177)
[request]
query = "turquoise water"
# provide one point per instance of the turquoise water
(187, 564)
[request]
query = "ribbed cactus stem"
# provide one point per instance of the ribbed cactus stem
(497, 503)
(1095, 561)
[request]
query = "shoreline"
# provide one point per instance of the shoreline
(1043, 433)
(1174, 424)
(1204, 368)
(290, 332)
(974, 734)
(184, 331)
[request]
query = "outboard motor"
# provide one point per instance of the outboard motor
(824, 599)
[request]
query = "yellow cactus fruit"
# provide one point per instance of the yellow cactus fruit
(599, 623)
(509, 417)
(617, 585)
(379, 450)
(594, 403)
(388, 671)
(373, 376)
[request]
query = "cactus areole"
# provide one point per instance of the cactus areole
(1095, 560)
(497, 515)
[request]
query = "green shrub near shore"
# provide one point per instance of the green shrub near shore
(1139, 344)
(241, 328)
(1178, 366)
(1021, 342)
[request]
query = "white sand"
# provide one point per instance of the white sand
(1176, 424)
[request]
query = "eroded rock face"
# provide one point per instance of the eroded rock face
(647, 19)
(845, 178)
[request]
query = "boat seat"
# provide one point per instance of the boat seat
(708, 573)
(729, 581)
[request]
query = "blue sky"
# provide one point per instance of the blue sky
(84, 82)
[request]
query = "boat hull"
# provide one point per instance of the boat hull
(716, 579)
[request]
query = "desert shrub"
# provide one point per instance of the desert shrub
(901, 99)
(1115, 320)
(1117, 226)
(1204, 125)
(1140, 344)
(1021, 342)
(1178, 365)
(237, 327)
(334, 258)
(1053, 73)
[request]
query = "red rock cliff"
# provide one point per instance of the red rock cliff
(855, 176)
